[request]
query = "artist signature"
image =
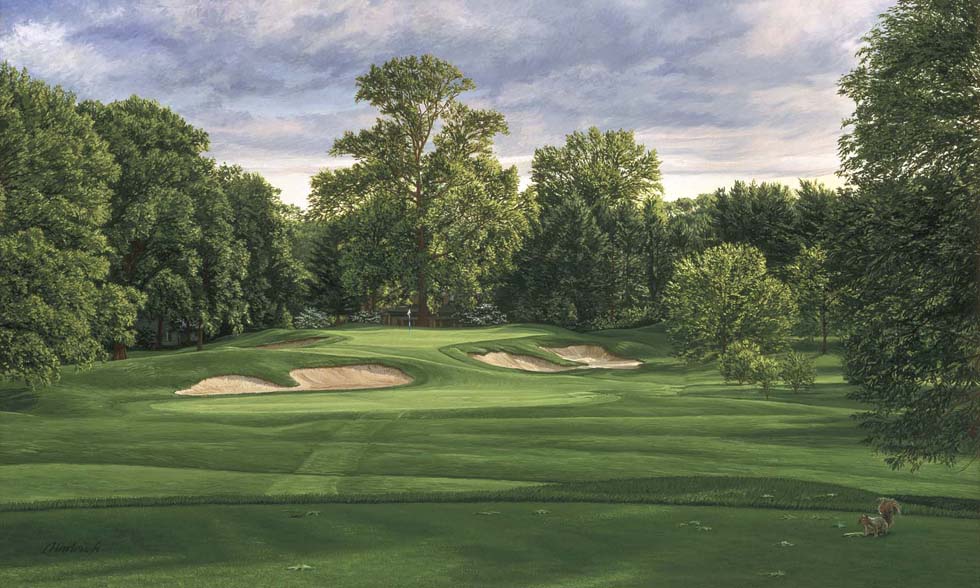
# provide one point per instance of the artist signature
(57, 547)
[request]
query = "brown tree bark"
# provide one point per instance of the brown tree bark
(823, 332)
(160, 333)
(118, 351)
(200, 337)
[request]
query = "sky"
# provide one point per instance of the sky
(724, 90)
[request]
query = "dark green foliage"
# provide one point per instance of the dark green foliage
(562, 276)
(152, 226)
(327, 290)
(273, 288)
(725, 295)
(673, 231)
(217, 288)
(54, 199)
(816, 207)
(797, 371)
(907, 245)
(762, 215)
(615, 181)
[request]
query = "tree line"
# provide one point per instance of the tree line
(108, 211)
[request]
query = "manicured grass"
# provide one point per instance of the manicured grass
(451, 545)
(666, 433)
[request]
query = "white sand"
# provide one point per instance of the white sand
(594, 356)
(293, 343)
(528, 363)
(350, 377)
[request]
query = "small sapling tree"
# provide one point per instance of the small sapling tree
(798, 372)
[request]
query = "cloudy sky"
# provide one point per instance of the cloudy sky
(723, 89)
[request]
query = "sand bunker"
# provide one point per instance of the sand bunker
(293, 343)
(528, 363)
(594, 356)
(350, 377)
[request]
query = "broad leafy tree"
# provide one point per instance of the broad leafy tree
(725, 295)
(152, 225)
(908, 241)
(430, 158)
(55, 174)
(615, 177)
(809, 278)
(674, 230)
(264, 226)
(217, 286)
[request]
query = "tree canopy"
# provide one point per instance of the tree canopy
(725, 295)
(907, 245)
(454, 216)
(55, 174)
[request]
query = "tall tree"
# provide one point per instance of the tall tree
(614, 176)
(762, 215)
(562, 274)
(262, 223)
(55, 173)
(724, 295)
(152, 226)
(431, 157)
(217, 287)
(909, 240)
(816, 207)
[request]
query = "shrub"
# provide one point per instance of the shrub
(765, 373)
(365, 317)
(737, 362)
(311, 318)
(798, 372)
(483, 315)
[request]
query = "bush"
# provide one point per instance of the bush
(798, 372)
(365, 317)
(737, 362)
(765, 373)
(483, 315)
(311, 318)
(628, 318)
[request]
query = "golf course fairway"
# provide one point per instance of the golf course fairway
(466, 475)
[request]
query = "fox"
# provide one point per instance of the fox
(888, 508)
(876, 526)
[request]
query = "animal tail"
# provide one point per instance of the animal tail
(888, 508)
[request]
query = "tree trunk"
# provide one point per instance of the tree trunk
(423, 318)
(423, 283)
(160, 333)
(823, 332)
(200, 337)
(118, 351)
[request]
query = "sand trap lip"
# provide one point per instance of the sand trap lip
(348, 377)
(594, 356)
(292, 343)
(527, 363)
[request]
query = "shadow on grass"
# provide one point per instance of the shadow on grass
(733, 491)
(19, 399)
